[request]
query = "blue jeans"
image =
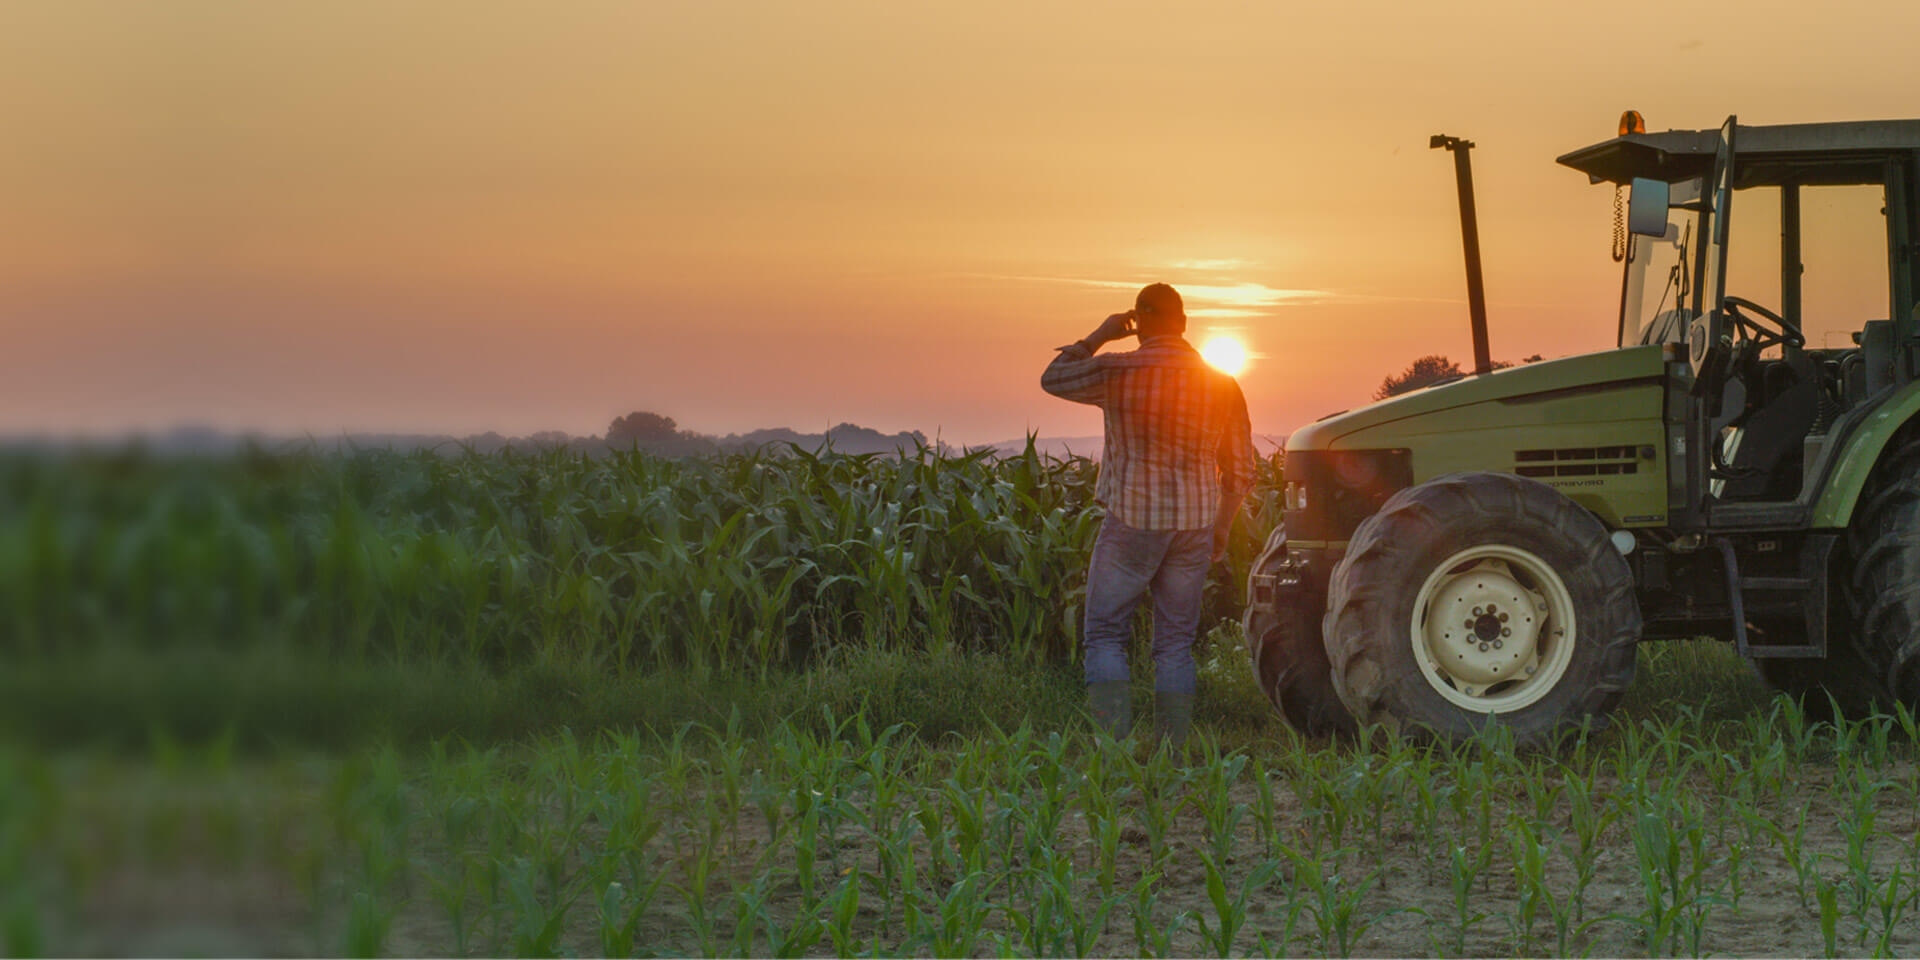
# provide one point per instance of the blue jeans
(1127, 564)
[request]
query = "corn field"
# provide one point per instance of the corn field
(822, 831)
(628, 561)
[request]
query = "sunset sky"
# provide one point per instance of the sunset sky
(457, 217)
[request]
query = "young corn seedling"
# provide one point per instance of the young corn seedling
(1530, 881)
(1859, 829)
(368, 923)
(1543, 792)
(1829, 900)
(1229, 906)
(1792, 845)
(1223, 817)
(451, 889)
(1466, 870)
(899, 871)
(1589, 821)
(618, 923)
(1892, 899)
(1266, 815)
(1085, 926)
(1670, 842)
(967, 809)
(749, 910)
(963, 914)
(1909, 724)
(540, 921)
(1041, 918)
(1150, 938)
(794, 939)
(1736, 872)
(1335, 904)
(845, 909)
(694, 895)
(939, 839)
(1103, 826)
(1157, 782)
(806, 837)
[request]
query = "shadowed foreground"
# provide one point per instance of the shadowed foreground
(1732, 826)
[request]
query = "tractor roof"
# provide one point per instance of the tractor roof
(1810, 153)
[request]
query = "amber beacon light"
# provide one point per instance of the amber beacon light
(1632, 122)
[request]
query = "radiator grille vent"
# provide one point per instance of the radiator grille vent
(1576, 462)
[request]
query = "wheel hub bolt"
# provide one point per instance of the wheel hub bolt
(1503, 618)
(1477, 611)
(1483, 648)
(1497, 644)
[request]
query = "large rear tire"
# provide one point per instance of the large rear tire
(1884, 541)
(1477, 596)
(1289, 661)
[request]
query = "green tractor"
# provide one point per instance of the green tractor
(1745, 464)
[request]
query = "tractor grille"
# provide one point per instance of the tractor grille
(1343, 488)
(1577, 462)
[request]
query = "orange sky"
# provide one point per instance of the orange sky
(521, 216)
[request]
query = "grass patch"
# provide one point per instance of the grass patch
(1705, 680)
(269, 698)
(124, 698)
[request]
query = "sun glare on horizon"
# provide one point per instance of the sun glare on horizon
(1225, 353)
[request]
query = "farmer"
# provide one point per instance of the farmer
(1177, 464)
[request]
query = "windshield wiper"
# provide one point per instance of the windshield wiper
(1676, 282)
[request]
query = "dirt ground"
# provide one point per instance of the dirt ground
(214, 906)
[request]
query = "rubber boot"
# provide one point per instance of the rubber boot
(1112, 704)
(1172, 719)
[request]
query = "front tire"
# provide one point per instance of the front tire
(1481, 595)
(1289, 660)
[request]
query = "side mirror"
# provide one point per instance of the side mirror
(1647, 202)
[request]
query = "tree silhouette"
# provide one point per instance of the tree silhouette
(1423, 372)
(643, 428)
(1429, 370)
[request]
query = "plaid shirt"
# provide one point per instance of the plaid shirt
(1177, 432)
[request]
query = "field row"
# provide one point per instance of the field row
(1775, 836)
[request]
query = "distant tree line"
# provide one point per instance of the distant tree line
(656, 433)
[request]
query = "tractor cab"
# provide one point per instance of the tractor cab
(1775, 259)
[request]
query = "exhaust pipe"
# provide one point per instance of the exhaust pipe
(1469, 238)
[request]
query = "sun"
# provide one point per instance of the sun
(1227, 354)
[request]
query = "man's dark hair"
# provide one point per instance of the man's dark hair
(1159, 308)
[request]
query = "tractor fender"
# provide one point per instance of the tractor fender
(1835, 507)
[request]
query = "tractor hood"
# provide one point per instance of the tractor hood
(1512, 397)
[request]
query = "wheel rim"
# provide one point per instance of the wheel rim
(1493, 628)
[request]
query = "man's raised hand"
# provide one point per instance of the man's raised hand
(1113, 328)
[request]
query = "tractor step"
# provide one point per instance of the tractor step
(1810, 590)
(1775, 583)
(1261, 589)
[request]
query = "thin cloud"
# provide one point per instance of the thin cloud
(1215, 266)
(1224, 313)
(1247, 296)
(1246, 299)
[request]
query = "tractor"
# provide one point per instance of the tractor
(1744, 464)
